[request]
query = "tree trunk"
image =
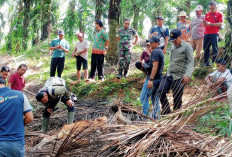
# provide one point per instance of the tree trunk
(188, 7)
(98, 11)
(228, 36)
(113, 18)
(71, 18)
(26, 20)
(136, 16)
(46, 19)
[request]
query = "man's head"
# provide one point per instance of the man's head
(126, 23)
(182, 16)
(148, 47)
(199, 10)
(98, 24)
(5, 70)
(22, 69)
(42, 97)
(154, 41)
(61, 34)
(212, 7)
(80, 36)
(175, 37)
(160, 21)
(221, 65)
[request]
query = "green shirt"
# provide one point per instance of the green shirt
(181, 61)
(58, 53)
(126, 35)
(100, 39)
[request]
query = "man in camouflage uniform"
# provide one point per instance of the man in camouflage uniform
(125, 36)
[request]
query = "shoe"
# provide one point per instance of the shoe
(45, 122)
(70, 117)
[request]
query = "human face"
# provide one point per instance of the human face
(154, 45)
(44, 100)
(159, 22)
(61, 36)
(148, 48)
(126, 24)
(212, 8)
(198, 13)
(182, 18)
(80, 38)
(221, 68)
(4, 74)
(97, 26)
(22, 70)
(178, 41)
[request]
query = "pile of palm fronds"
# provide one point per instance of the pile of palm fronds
(166, 137)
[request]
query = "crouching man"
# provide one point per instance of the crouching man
(53, 92)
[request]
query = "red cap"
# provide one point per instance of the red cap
(80, 34)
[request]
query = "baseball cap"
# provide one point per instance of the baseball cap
(175, 33)
(199, 8)
(61, 32)
(100, 23)
(160, 17)
(154, 39)
(80, 34)
(221, 61)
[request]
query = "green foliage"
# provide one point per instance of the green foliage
(218, 122)
(201, 72)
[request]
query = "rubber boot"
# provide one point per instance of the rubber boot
(70, 117)
(45, 122)
(119, 74)
(125, 73)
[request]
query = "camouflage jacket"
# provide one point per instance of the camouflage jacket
(126, 36)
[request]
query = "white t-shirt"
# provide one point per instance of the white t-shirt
(227, 75)
(80, 46)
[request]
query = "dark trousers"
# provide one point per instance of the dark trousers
(57, 63)
(177, 87)
(210, 39)
(52, 105)
(97, 63)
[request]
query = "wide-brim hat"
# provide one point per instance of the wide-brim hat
(183, 13)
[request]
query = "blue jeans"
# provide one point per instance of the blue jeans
(146, 94)
(11, 149)
(210, 39)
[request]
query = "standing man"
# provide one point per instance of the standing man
(156, 63)
(17, 80)
(81, 55)
(179, 71)
(124, 37)
(15, 113)
(161, 31)
(5, 70)
(59, 47)
(100, 46)
(213, 21)
(197, 32)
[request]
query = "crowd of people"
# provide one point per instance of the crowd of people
(199, 34)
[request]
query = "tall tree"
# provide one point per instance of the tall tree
(98, 11)
(46, 19)
(26, 20)
(113, 18)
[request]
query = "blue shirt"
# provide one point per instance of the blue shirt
(59, 53)
(162, 32)
(13, 104)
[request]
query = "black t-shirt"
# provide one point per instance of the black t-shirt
(157, 55)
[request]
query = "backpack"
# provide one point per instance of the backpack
(51, 83)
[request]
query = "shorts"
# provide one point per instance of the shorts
(80, 60)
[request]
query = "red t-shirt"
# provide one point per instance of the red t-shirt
(17, 81)
(209, 18)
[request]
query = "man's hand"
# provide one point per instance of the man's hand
(185, 80)
(73, 54)
(69, 103)
(50, 110)
(155, 33)
(150, 84)
(58, 46)
(165, 50)
(205, 23)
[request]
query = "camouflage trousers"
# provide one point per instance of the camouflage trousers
(124, 59)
